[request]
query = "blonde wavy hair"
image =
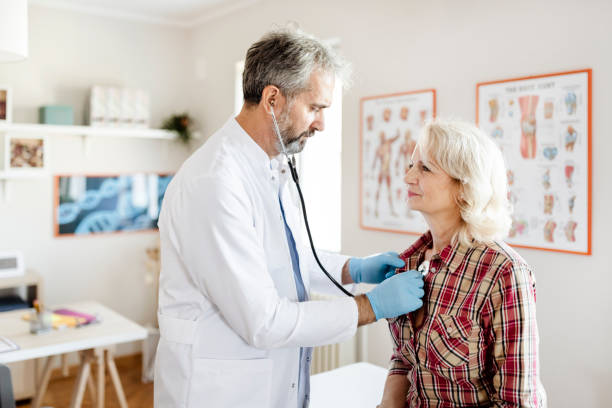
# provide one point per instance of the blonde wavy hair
(469, 156)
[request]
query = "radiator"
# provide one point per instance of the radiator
(325, 358)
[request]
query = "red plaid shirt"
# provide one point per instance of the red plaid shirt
(477, 345)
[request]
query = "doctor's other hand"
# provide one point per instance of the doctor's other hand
(397, 295)
(374, 269)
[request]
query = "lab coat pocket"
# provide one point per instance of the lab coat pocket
(449, 342)
(231, 383)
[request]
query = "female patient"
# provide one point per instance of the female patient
(475, 340)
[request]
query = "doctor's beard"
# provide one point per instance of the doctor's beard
(294, 141)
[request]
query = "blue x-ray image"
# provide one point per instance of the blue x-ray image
(97, 204)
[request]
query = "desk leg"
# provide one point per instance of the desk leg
(36, 373)
(90, 385)
(112, 369)
(44, 382)
(81, 382)
(65, 365)
(100, 377)
(92, 389)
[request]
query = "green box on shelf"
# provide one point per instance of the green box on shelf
(56, 115)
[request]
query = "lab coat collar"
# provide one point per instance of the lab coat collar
(256, 156)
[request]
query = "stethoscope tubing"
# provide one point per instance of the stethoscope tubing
(312, 247)
(294, 176)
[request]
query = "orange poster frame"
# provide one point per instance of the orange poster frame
(361, 102)
(56, 202)
(589, 73)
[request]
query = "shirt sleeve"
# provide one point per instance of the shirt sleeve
(515, 349)
(397, 365)
(224, 255)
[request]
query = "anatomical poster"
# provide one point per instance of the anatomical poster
(543, 126)
(389, 128)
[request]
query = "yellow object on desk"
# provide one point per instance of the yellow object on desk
(59, 321)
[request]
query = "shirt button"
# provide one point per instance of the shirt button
(308, 359)
(292, 385)
(433, 269)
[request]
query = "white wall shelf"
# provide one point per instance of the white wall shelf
(15, 175)
(87, 131)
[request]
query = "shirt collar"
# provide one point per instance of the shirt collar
(451, 256)
(420, 245)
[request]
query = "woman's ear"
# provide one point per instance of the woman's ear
(460, 194)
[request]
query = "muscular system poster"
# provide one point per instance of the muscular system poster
(542, 125)
(390, 125)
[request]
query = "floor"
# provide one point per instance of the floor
(138, 395)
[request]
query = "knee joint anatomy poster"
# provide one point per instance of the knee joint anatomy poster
(543, 126)
(389, 128)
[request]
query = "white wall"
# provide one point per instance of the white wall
(395, 45)
(404, 45)
(70, 52)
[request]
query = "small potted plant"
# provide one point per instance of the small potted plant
(182, 124)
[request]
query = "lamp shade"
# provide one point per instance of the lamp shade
(13, 30)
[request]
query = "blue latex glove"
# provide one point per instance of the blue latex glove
(374, 269)
(397, 295)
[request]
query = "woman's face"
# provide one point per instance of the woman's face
(430, 190)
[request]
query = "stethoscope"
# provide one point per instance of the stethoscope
(424, 268)
(294, 176)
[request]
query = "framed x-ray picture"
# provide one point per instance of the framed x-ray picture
(389, 127)
(93, 204)
(542, 124)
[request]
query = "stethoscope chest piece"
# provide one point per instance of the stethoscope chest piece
(424, 268)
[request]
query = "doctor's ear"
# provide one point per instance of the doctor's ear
(272, 98)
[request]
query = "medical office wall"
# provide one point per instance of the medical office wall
(397, 45)
(69, 52)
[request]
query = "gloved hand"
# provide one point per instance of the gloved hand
(373, 269)
(397, 295)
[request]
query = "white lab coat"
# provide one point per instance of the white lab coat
(231, 326)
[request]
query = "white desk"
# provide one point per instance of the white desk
(354, 385)
(93, 342)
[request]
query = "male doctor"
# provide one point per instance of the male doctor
(237, 328)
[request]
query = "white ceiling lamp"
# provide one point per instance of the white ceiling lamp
(13, 30)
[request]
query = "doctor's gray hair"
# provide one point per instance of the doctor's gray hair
(286, 58)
